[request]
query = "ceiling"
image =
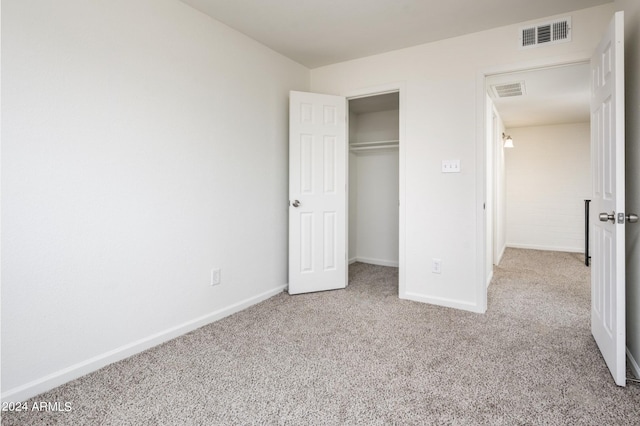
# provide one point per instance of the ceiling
(551, 96)
(316, 33)
(322, 32)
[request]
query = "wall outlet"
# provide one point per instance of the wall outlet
(436, 266)
(215, 276)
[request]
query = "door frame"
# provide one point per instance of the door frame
(398, 87)
(482, 171)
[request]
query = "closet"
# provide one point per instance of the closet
(374, 179)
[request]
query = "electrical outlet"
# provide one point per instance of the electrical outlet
(215, 276)
(436, 266)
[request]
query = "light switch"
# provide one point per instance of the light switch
(450, 166)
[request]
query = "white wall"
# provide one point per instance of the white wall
(373, 185)
(490, 123)
(376, 126)
(495, 210)
(548, 178)
(632, 82)
(377, 219)
(440, 118)
(143, 143)
(353, 207)
(353, 191)
(500, 192)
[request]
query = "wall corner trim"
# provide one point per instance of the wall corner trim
(635, 367)
(50, 381)
(380, 262)
(545, 247)
(441, 301)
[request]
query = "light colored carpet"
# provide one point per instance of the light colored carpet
(362, 356)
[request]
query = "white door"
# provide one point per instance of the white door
(317, 192)
(608, 224)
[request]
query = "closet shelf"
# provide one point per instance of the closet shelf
(365, 146)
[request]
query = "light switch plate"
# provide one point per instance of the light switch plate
(450, 166)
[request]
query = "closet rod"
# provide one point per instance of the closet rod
(374, 143)
(366, 148)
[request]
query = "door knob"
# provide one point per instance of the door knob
(296, 203)
(604, 217)
(632, 218)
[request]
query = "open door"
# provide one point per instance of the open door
(608, 224)
(317, 193)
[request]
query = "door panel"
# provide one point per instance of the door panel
(607, 148)
(317, 193)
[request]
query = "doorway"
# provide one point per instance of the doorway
(319, 187)
(546, 113)
(374, 179)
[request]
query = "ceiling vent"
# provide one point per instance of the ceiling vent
(553, 32)
(508, 90)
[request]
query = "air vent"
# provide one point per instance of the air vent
(508, 90)
(544, 34)
(561, 30)
(554, 32)
(528, 37)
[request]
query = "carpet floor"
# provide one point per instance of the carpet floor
(363, 356)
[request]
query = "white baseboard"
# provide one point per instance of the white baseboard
(380, 262)
(50, 381)
(635, 368)
(441, 301)
(546, 248)
(353, 260)
(490, 277)
(500, 255)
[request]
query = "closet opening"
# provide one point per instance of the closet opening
(374, 180)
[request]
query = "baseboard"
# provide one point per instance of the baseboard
(546, 248)
(490, 277)
(500, 255)
(380, 262)
(635, 367)
(441, 301)
(50, 381)
(353, 260)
